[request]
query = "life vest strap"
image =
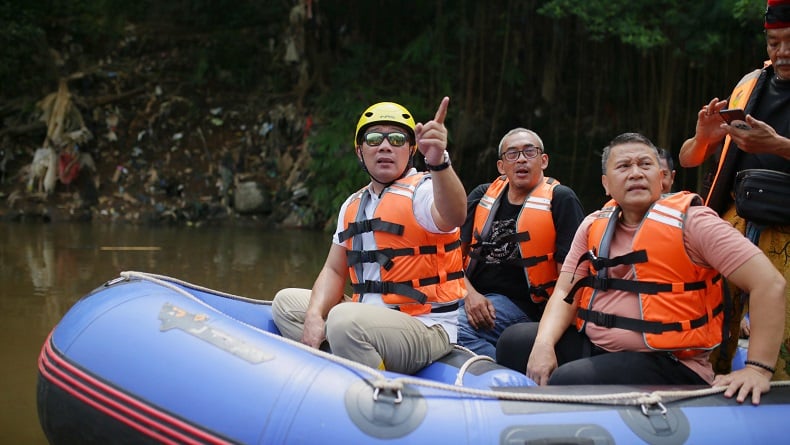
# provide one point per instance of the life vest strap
(517, 237)
(529, 262)
(642, 287)
(541, 291)
(512, 238)
(370, 225)
(389, 287)
(384, 256)
(518, 262)
(405, 288)
(598, 263)
(634, 324)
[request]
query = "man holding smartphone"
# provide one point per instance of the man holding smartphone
(759, 142)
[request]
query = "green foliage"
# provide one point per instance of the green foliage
(575, 70)
(692, 27)
(632, 24)
(23, 50)
(31, 29)
(228, 37)
(751, 12)
(334, 170)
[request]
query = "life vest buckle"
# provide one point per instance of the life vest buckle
(367, 256)
(602, 319)
(600, 283)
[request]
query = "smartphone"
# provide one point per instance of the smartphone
(734, 114)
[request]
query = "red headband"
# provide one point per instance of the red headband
(777, 14)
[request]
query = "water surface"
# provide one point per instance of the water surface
(46, 268)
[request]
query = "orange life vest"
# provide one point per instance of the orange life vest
(535, 234)
(681, 303)
(421, 272)
(719, 194)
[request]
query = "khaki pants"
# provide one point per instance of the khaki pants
(376, 336)
(775, 243)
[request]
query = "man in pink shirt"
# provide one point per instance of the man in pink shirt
(639, 299)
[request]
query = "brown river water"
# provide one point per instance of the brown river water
(46, 268)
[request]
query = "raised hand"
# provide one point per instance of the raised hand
(432, 136)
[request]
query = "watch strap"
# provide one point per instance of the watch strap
(439, 167)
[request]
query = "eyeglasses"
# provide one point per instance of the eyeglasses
(395, 138)
(530, 152)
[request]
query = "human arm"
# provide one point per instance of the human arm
(327, 292)
(449, 204)
(566, 213)
(479, 310)
(707, 137)
(555, 321)
(766, 287)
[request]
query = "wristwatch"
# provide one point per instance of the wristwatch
(437, 168)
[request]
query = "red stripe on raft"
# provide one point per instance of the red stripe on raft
(112, 407)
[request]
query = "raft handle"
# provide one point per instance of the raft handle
(398, 395)
(661, 408)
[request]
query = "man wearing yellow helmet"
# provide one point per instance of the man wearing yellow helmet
(397, 240)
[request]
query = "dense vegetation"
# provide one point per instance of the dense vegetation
(578, 72)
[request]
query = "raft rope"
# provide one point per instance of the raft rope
(380, 382)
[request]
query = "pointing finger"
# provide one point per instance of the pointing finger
(441, 113)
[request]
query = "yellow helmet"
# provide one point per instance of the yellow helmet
(385, 112)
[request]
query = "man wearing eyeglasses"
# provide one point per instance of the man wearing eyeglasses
(517, 232)
(397, 240)
(640, 299)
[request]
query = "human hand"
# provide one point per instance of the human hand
(479, 310)
(709, 122)
(542, 362)
(745, 381)
(432, 136)
(755, 136)
(314, 331)
(745, 328)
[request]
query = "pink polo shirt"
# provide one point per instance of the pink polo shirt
(710, 242)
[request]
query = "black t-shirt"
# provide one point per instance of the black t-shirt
(773, 108)
(492, 273)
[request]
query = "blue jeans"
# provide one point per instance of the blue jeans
(483, 341)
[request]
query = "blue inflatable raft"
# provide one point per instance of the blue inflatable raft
(151, 359)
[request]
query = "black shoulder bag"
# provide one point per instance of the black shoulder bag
(763, 196)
